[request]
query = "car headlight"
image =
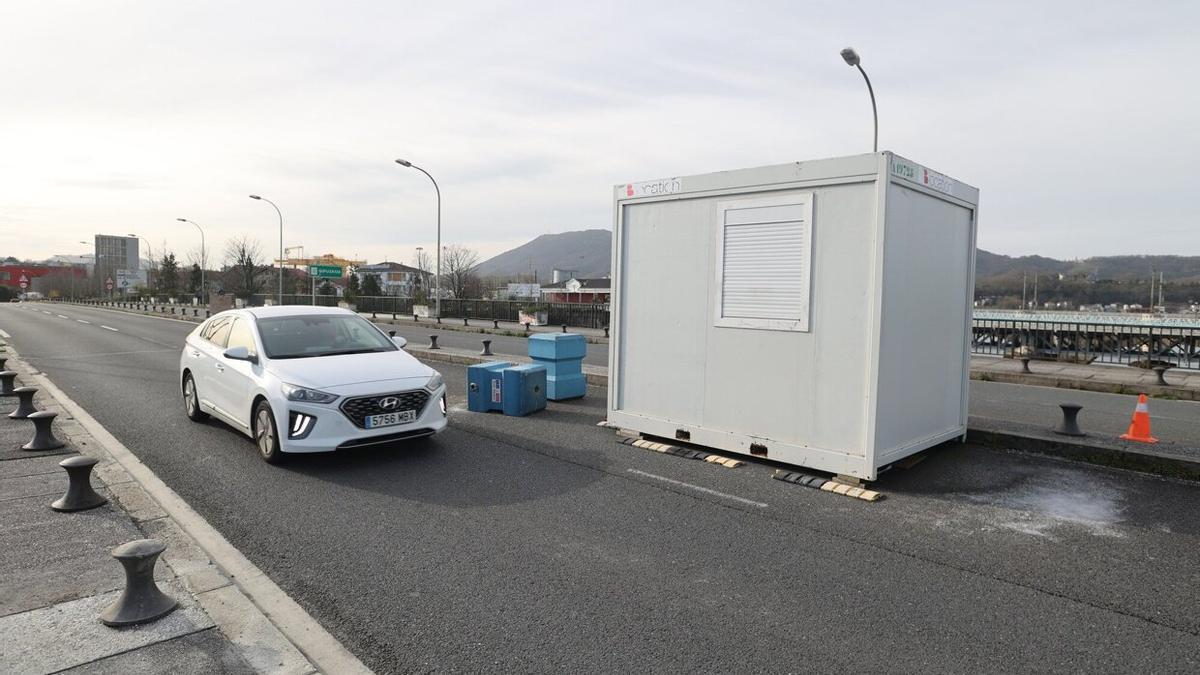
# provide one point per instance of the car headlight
(435, 382)
(294, 393)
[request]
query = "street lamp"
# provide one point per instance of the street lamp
(150, 269)
(203, 258)
(437, 301)
(280, 242)
(851, 58)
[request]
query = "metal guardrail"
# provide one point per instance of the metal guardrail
(1089, 341)
(583, 315)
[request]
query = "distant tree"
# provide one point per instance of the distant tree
(301, 284)
(168, 275)
(352, 288)
(422, 260)
(245, 274)
(195, 278)
(326, 288)
(458, 271)
(370, 285)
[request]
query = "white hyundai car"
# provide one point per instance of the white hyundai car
(308, 379)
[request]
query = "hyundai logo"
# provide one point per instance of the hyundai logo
(389, 403)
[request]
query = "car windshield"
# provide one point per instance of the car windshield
(302, 336)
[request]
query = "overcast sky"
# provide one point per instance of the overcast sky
(1078, 121)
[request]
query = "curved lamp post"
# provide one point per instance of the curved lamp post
(203, 258)
(437, 279)
(280, 297)
(150, 269)
(851, 58)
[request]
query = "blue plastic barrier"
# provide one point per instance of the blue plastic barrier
(562, 355)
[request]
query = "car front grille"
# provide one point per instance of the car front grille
(358, 409)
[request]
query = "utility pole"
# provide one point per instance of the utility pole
(1024, 284)
(1035, 284)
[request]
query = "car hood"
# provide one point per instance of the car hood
(329, 372)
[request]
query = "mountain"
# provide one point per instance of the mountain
(587, 252)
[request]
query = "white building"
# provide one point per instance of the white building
(395, 278)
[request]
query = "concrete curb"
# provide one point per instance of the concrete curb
(272, 631)
(384, 318)
(446, 355)
(1091, 451)
(1151, 390)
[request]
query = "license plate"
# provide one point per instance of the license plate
(391, 419)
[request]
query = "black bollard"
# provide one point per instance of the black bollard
(416, 319)
(3, 360)
(43, 436)
(487, 348)
(1161, 372)
(465, 322)
(564, 327)
(433, 342)
(391, 333)
(141, 601)
(606, 331)
(1025, 365)
(80, 496)
(1069, 426)
(7, 378)
(495, 325)
(526, 328)
(439, 319)
(24, 403)
(373, 315)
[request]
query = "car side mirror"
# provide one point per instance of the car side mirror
(400, 342)
(240, 354)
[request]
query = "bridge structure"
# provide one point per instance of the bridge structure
(1138, 339)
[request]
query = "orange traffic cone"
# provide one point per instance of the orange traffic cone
(1139, 428)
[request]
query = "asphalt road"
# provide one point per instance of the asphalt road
(540, 543)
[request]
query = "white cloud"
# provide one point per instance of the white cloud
(1074, 119)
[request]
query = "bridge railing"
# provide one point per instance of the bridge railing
(1089, 342)
(579, 314)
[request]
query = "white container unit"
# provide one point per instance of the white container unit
(814, 313)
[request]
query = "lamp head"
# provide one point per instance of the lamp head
(182, 220)
(850, 56)
(255, 197)
(403, 162)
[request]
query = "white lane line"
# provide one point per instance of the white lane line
(63, 316)
(82, 321)
(109, 328)
(72, 357)
(4, 335)
(45, 312)
(705, 490)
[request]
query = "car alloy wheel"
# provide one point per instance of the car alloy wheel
(265, 434)
(191, 401)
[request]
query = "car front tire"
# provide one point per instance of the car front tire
(266, 434)
(191, 400)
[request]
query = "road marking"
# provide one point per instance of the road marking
(45, 312)
(82, 321)
(72, 357)
(109, 328)
(705, 490)
(63, 316)
(4, 335)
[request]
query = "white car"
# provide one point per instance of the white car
(308, 379)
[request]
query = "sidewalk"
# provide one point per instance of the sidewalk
(489, 326)
(57, 572)
(1115, 379)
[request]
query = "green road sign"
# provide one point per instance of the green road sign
(325, 271)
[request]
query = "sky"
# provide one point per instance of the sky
(1075, 119)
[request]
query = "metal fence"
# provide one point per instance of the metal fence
(1087, 342)
(579, 314)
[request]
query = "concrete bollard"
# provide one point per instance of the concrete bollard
(487, 348)
(1069, 426)
(496, 324)
(1025, 365)
(141, 601)
(43, 435)
(433, 342)
(7, 378)
(24, 403)
(1161, 372)
(80, 496)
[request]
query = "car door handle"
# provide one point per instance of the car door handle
(219, 367)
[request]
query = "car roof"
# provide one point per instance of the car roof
(294, 310)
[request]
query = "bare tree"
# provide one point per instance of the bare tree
(458, 271)
(244, 273)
